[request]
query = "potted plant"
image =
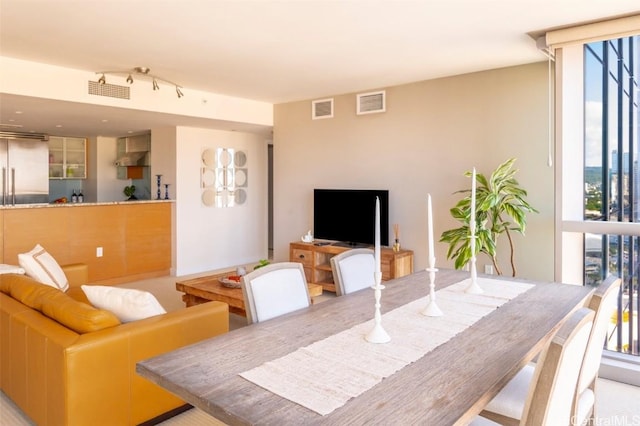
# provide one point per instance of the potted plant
(129, 191)
(501, 208)
(261, 263)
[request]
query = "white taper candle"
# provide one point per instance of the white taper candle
(432, 254)
(472, 222)
(377, 237)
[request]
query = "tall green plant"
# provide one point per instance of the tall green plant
(501, 208)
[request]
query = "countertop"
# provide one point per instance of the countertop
(103, 203)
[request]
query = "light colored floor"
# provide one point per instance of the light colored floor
(616, 403)
(164, 289)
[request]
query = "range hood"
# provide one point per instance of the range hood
(133, 159)
(136, 151)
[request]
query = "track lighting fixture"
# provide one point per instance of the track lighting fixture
(140, 72)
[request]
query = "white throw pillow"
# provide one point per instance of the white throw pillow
(127, 304)
(42, 267)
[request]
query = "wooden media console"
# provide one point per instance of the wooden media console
(315, 258)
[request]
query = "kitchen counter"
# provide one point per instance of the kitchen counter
(120, 241)
(102, 203)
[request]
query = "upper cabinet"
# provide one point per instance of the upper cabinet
(132, 156)
(67, 158)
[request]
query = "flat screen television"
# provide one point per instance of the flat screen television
(348, 216)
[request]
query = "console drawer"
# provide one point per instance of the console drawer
(303, 256)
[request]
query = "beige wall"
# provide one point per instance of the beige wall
(432, 132)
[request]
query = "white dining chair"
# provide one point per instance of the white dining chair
(551, 391)
(507, 407)
(353, 270)
(604, 303)
(274, 290)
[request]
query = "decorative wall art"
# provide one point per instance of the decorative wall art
(224, 177)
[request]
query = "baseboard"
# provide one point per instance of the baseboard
(166, 416)
(621, 368)
(131, 278)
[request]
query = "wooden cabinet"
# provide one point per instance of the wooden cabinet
(316, 262)
(135, 237)
(67, 158)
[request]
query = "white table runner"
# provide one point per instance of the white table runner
(345, 365)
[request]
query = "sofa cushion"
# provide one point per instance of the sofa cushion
(42, 267)
(127, 304)
(57, 305)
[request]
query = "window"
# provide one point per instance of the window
(611, 145)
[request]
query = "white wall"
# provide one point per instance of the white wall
(24, 78)
(163, 162)
(209, 238)
(433, 131)
(570, 176)
(109, 187)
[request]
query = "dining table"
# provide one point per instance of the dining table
(448, 382)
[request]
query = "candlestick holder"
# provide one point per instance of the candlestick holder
(432, 309)
(378, 334)
(166, 191)
(473, 288)
(158, 180)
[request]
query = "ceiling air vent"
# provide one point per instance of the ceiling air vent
(369, 103)
(111, 90)
(322, 108)
(23, 135)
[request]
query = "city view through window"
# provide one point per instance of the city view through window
(612, 176)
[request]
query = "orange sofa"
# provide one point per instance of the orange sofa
(83, 373)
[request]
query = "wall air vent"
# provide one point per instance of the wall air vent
(369, 103)
(322, 108)
(111, 90)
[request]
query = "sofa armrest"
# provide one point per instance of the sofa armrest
(109, 357)
(77, 274)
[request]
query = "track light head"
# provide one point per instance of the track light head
(141, 72)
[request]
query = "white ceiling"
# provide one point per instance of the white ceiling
(279, 51)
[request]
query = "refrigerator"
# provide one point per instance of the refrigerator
(24, 167)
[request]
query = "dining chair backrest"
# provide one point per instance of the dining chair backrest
(604, 303)
(353, 270)
(274, 290)
(551, 393)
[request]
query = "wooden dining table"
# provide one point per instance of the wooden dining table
(447, 386)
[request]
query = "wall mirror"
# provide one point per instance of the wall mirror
(223, 177)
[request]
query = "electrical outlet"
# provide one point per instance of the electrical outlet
(98, 251)
(488, 269)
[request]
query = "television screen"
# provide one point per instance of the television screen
(348, 216)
